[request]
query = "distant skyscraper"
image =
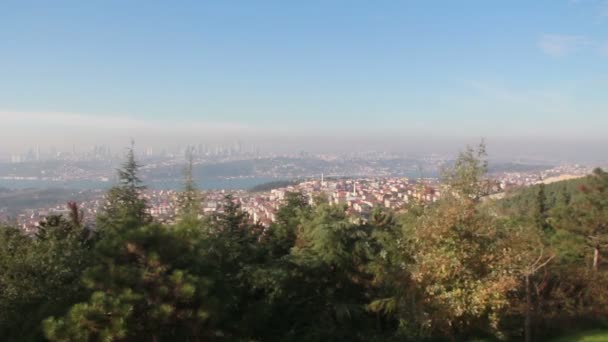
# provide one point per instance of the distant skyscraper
(16, 158)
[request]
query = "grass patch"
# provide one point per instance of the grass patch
(585, 336)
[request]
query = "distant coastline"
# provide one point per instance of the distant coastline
(205, 184)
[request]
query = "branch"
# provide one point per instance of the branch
(543, 264)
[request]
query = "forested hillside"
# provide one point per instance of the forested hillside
(524, 199)
(525, 268)
(33, 198)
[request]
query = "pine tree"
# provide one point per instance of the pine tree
(40, 276)
(541, 211)
(189, 199)
(280, 237)
(317, 292)
(147, 284)
(124, 205)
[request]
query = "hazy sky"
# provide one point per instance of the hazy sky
(105, 71)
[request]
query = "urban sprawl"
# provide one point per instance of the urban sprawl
(360, 196)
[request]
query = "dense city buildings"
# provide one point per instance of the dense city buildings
(359, 195)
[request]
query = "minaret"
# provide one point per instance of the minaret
(354, 188)
(322, 182)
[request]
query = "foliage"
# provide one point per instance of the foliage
(318, 289)
(568, 294)
(466, 178)
(462, 268)
(39, 277)
(143, 286)
(592, 213)
(282, 234)
(125, 207)
(189, 200)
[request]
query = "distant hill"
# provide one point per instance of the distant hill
(522, 200)
(560, 178)
(517, 167)
(16, 200)
(273, 185)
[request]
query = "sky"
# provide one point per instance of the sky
(301, 73)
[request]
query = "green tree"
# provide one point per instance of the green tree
(392, 287)
(319, 291)
(124, 205)
(147, 284)
(593, 213)
(541, 211)
(189, 200)
(467, 177)
(40, 276)
(281, 236)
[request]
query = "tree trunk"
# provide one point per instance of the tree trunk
(528, 321)
(596, 257)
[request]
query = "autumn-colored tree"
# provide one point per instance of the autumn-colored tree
(455, 272)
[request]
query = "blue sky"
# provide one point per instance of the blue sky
(505, 69)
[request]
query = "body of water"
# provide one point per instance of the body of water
(206, 184)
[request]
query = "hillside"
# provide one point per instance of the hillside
(16, 200)
(521, 200)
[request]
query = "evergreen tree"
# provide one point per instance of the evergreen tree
(541, 211)
(318, 292)
(148, 283)
(280, 237)
(189, 199)
(124, 205)
(40, 276)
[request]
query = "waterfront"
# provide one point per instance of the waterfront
(205, 184)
